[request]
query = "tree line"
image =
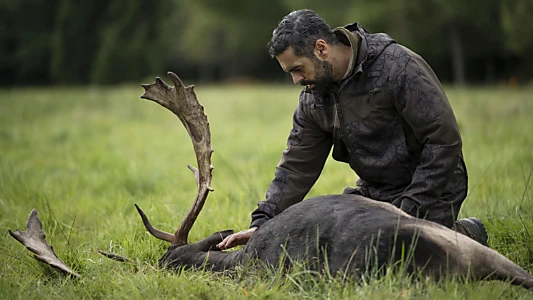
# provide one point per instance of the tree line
(108, 42)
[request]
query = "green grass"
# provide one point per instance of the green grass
(84, 156)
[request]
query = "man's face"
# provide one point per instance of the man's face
(313, 72)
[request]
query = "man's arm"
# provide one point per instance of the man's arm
(421, 101)
(301, 164)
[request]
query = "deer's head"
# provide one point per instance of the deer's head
(187, 255)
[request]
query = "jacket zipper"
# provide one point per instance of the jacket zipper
(370, 92)
(338, 107)
(338, 116)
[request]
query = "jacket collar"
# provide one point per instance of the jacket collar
(354, 40)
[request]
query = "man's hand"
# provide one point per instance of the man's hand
(239, 238)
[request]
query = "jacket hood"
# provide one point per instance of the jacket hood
(371, 45)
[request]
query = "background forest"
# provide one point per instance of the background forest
(107, 42)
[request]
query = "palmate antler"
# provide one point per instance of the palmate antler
(35, 240)
(183, 103)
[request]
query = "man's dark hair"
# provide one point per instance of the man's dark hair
(300, 29)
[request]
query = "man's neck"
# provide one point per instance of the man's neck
(341, 64)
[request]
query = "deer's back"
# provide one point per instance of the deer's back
(345, 229)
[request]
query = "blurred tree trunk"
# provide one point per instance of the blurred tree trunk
(457, 56)
(490, 70)
(207, 72)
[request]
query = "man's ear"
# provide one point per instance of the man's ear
(321, 50)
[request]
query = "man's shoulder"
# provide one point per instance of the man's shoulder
(393, 59)
(396, 51)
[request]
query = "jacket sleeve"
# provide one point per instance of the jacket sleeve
(301, 164)
(421, 101)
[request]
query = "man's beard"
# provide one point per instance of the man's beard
(323, 77)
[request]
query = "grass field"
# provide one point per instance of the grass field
(84, 156)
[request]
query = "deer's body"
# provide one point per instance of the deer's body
(353, 234)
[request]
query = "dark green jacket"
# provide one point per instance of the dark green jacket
(389, 120)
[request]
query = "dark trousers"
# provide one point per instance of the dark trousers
(443, 211)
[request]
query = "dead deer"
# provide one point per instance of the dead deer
(333, 233)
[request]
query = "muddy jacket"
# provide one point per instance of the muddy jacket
(390, 120)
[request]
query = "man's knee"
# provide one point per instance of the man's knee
(444, 213)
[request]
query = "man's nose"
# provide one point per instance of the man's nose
(296, 78)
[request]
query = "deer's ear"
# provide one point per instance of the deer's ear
(210, 243)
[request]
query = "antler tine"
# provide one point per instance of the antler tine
(116, 257)
(183, 103)
(34, 240)
(165, 236)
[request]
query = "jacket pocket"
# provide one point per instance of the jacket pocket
(362, 106)
(323, 114)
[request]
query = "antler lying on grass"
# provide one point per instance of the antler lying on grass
(35, 240)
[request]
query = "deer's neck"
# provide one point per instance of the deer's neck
(219, 261)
